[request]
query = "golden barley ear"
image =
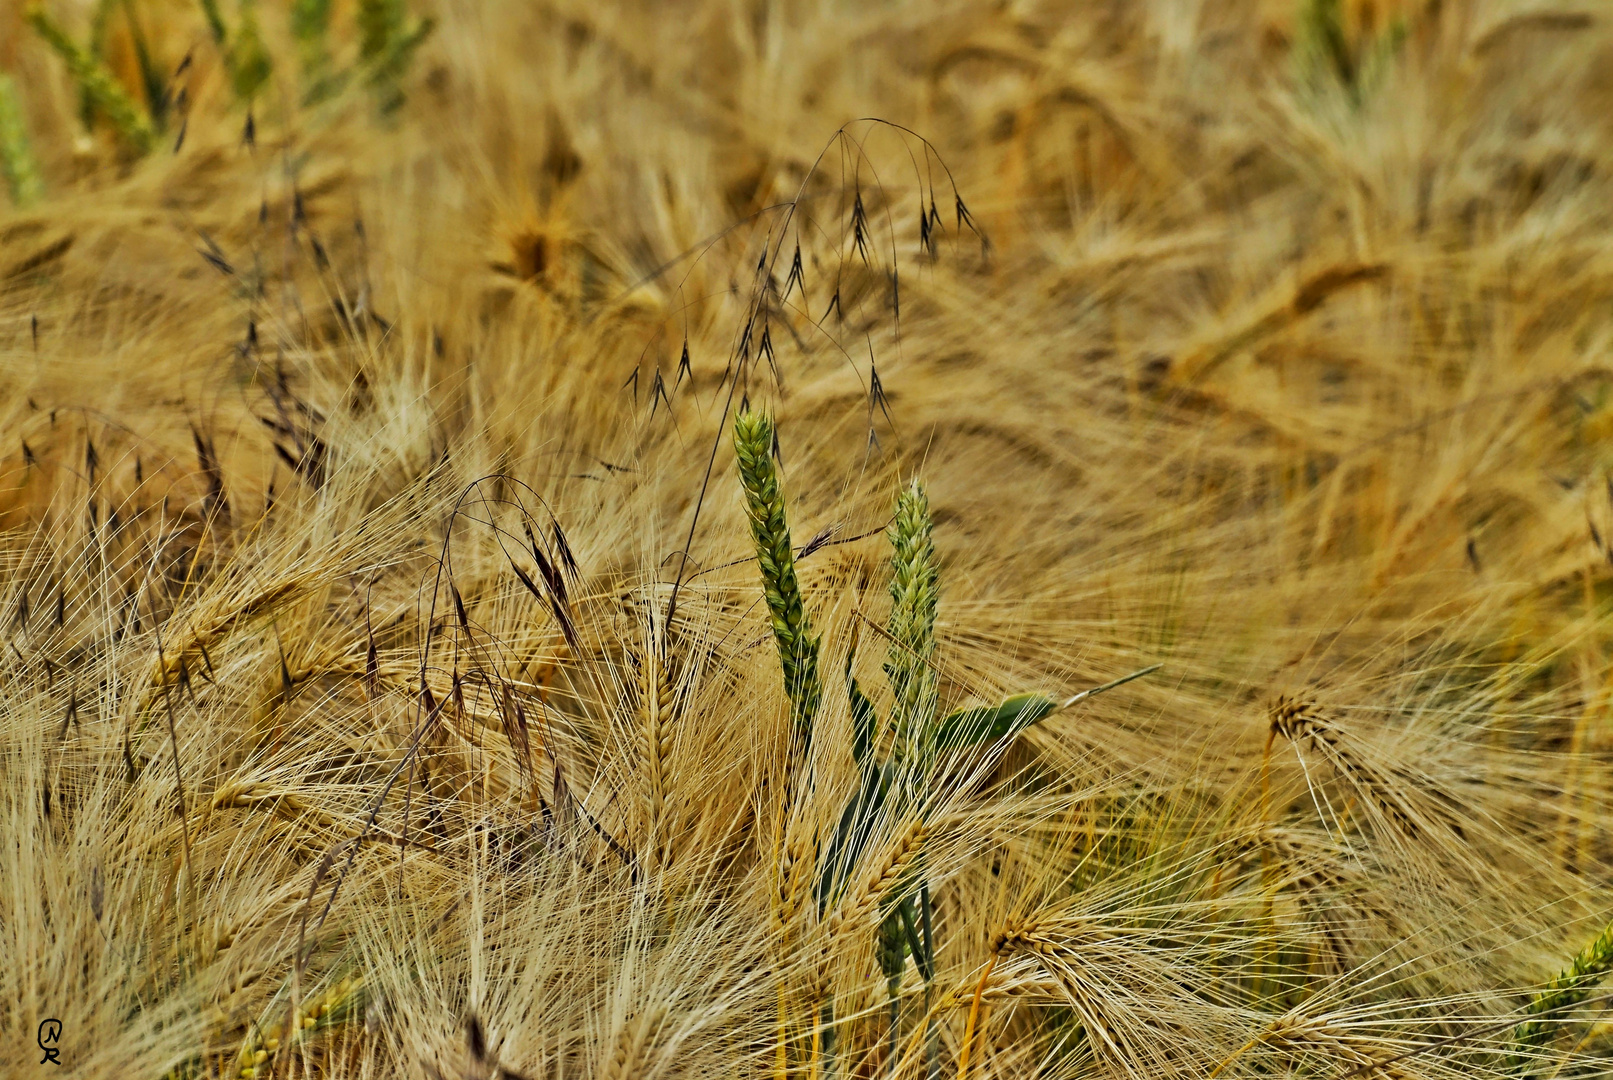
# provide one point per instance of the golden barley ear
(885, 878)
(632, 1044)
(1297, 1036)
(764, 501)
(17, 163)
(1301, 722)
(96, 82)
(657, 691)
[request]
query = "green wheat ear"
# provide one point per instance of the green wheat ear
(310, 28)
(380, 23)
(310, 25)
(387, 45)
(215, 21)
(16, 156)
(1568, 989)
(915, 590)
(764, 500)
(1325, 56)
(96, 83)
(249, 62)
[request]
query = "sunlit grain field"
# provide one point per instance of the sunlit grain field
(810, 540)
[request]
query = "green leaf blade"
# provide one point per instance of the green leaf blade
(986, 724)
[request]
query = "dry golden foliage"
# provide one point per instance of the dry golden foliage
(380, 603)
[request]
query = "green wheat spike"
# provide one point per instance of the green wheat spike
(388, 68)
(380, 23)
(401, 53)
(915, 590)
(249, 60)
(797, 647)
(310, 28)
(16, 156)
(96, 82)
(1326, 60)
(1568, 989)
(310, 21)
(215, 21)
(100, 20)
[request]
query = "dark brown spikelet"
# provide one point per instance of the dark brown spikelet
(217, 503)
(475, 1038)
(459, 608)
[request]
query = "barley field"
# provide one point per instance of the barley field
(806, 540)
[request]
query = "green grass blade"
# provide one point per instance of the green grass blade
(310, 21)
(990, 723)
(864, 720)
(310, 28)
(380, 24)
(857, 822)
(387, 72)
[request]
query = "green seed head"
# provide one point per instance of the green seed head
(764, 501)
(915, 592)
